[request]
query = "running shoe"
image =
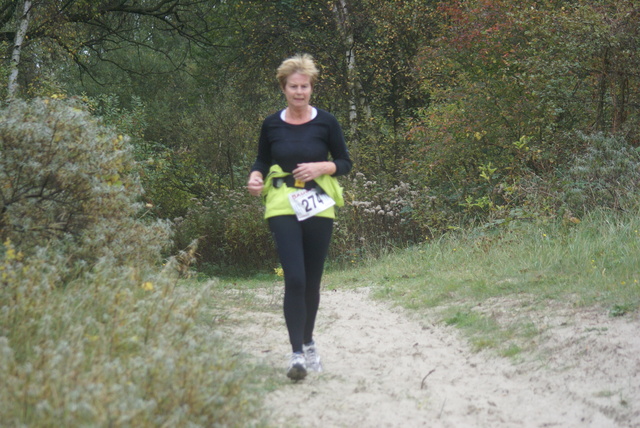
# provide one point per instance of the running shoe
(312, 358)
(297, 367)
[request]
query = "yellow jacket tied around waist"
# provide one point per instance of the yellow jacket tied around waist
(276, 200)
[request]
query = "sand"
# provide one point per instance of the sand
(385, 367)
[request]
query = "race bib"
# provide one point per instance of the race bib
(307, 203)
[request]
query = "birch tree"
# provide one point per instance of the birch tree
(23, 26)
(356, 94)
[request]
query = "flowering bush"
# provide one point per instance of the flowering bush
(374, 218)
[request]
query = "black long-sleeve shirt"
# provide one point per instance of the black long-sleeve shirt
(288, 145)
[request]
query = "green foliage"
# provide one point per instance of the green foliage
(605, 174)
(446, 93)
(119, 347)
(172, 178)
(129, 121)
(510, 84)
(71, 183)
(233, 236)
(4, 71)
(113, 35)
(382, 152)
(388, 37)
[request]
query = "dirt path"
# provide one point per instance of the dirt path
(383, 369)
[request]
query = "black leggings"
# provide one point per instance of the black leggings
(302, 248)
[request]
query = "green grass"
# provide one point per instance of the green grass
(593, 263)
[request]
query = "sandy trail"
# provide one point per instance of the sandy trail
(384, 369)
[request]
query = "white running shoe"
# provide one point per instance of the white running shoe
(297, 367)
(312, 357)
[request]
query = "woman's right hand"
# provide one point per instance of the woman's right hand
(255, 183)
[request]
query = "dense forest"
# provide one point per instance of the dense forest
(457, 113)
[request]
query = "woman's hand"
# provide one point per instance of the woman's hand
(255, 183)
(312, 170)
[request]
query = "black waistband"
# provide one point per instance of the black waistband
(289, 181)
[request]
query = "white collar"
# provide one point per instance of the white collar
(314, 113)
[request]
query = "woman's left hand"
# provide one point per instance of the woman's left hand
(312, 170)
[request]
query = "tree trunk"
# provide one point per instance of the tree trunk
(23, 26)
(602, 93)
(356, 96)
(620, 98)
(344, 27)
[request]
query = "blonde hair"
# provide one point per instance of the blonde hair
(300, 63)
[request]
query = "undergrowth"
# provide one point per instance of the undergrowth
(115, 350)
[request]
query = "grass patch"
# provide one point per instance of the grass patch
(593, 263)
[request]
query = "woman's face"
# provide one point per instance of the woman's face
(298, 90)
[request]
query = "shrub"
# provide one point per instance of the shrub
(115, 348)
(605, 175)
(71, 183)
(234, 238)
(375, 217)
(120, 344)
(232, 234)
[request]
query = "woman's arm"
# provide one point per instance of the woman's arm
(255, 183)
(312, 170)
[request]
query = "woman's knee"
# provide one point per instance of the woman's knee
(295, 282)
